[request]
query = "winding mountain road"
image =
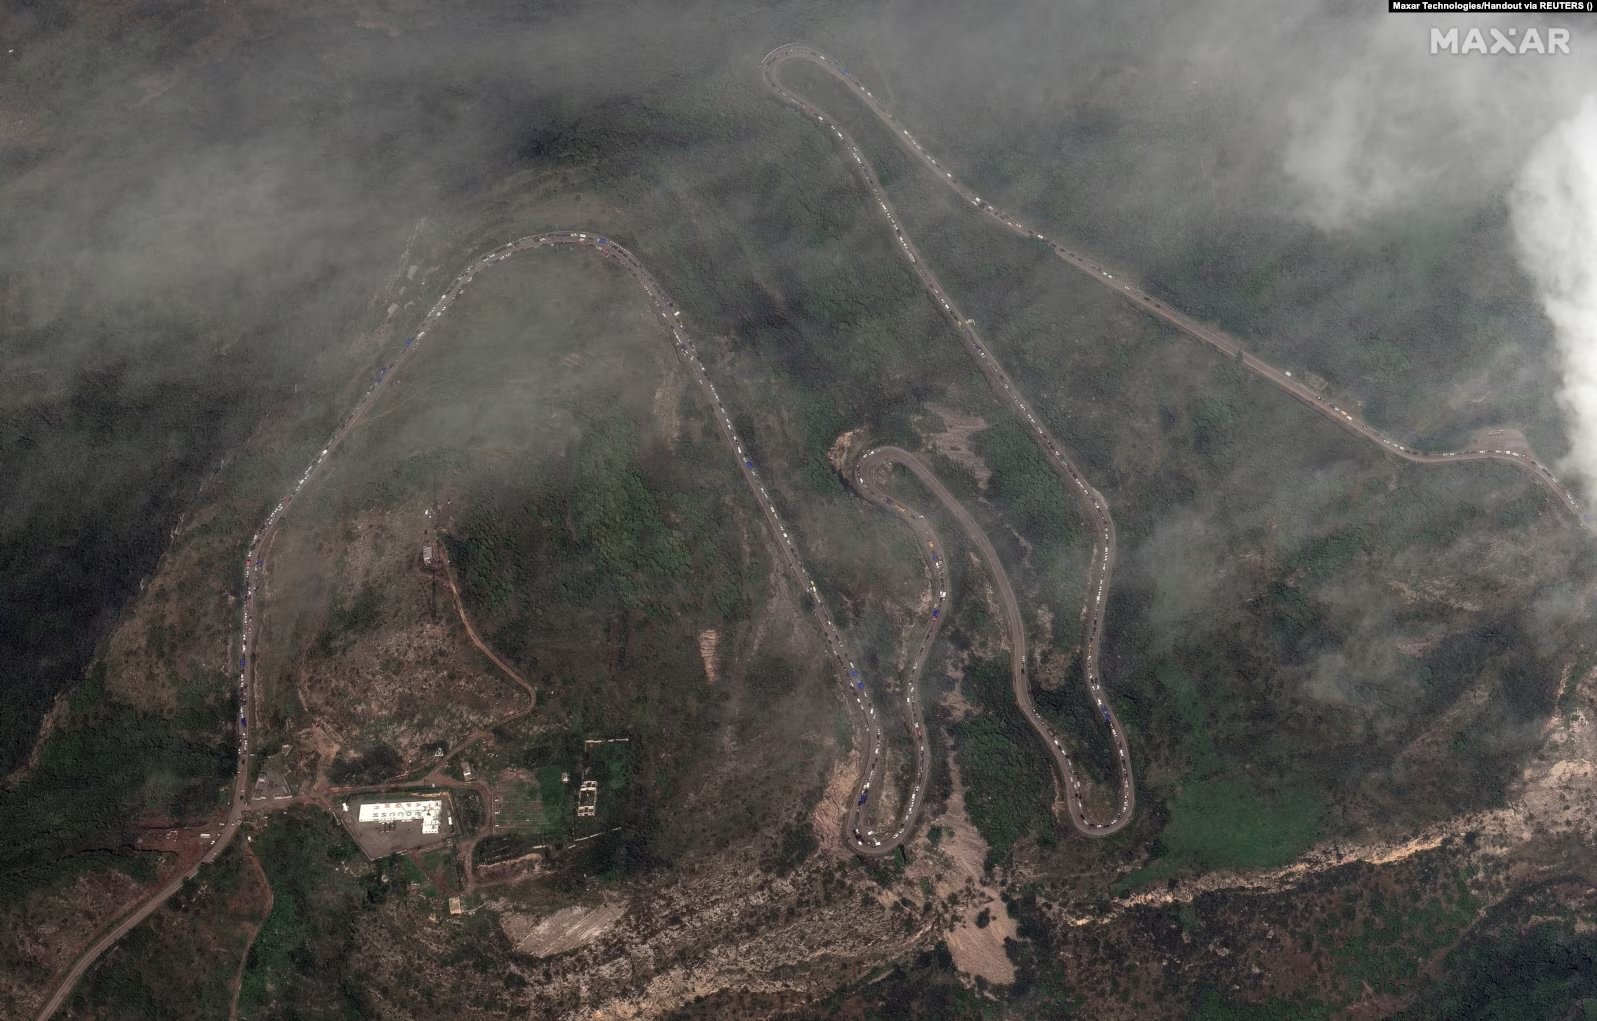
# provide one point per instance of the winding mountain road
(864, 838)
(1095, 509)
(863, 712)
(868, 478)
(1093, 506)
(1215, 338)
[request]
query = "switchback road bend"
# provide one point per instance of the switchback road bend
(868, 478)
(1117, 282)
(857, 829)
(1092, 503)
(867, 721)
(1093, 506)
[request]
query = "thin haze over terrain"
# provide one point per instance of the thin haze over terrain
(1330, 114)
(1248, 274)
(1555, 220)
(197, 219)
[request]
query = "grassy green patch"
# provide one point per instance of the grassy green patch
(1228, 822)
(1214, 1007)
(534, 810)
(1203, 759)
(438, 859)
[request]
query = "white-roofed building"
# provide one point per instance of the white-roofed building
(427, 812)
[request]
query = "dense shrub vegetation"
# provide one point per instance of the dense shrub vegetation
(70, 811)
(1002, 764)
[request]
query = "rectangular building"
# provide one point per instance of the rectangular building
(427, 812)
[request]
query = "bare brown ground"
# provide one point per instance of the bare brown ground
(1499, 438)
(843, 448)
(692, 938)
(955, 702)
(324, 746)
(708, 640)
(976, 950)
(827, 816)
(955, 442)
(373, 24)
(502, 873)
(407, 685)
(564, 930)
(16, 127)
(668, 407)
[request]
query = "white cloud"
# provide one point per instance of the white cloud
(1554, 204)
(1378, 123)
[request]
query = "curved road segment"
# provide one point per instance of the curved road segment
(1092, 502)
(1217, 339)
(862, 838)
(865, 717)
(866, 721)
(867, 478)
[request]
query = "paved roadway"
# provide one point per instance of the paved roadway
(867, 477)
(1091, 501)
(858, 829)
(863, 711)
(1117, 282)
(1092, 504)
(867, 724)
